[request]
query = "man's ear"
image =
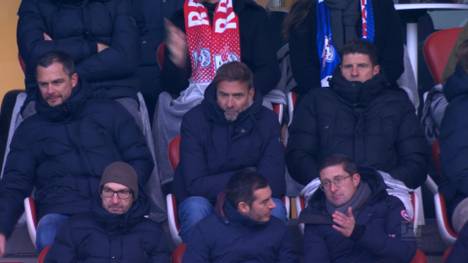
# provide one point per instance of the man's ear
(243, 207)
(356, 179)
(74, 79)
(376, 70)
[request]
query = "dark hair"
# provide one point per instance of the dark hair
(339, 159)
(462, 55)
(360, 46)
(242, 185)
(234, 71)
(57, 57)
(296, 16)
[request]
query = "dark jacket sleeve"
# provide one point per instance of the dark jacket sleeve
(198, 250)
(122, 57)
(158, 248)
(271, 165)
(131, 144)
(390, 46)
(315, 247)
(460, 249)
(305, 64)
(454, 146)
(17, 181)
(63, 249)
(303, 143)
(389, 241)
(287, 252)
(197, 180)
(31, 43)
(412, 149)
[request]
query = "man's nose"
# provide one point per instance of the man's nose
(271, 204)
(230, 102)
(115, 198)
(354, 71)
(333, 187)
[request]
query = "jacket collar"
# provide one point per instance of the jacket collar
(229, 214)
(358, 94)
(66, 110)
(216, 115)
(121, 223)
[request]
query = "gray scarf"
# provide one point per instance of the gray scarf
(361, 195)
(344, 15)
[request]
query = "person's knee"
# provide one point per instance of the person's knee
(460, 215)
(196, 206)
(47, 228)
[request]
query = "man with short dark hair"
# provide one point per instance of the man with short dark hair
(353, 219)
(229, 131)
(362, 116)
(116, 228)
(242, 230)
(62, 150)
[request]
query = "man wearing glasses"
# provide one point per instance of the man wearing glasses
(353, 219)
(116, 229)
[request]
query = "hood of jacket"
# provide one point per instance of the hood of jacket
(121, 223)
(316, 211)
(245, 120)
(358, 94)
(457, 84)
(67, 110)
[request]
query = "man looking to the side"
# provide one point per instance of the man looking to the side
(242, 229)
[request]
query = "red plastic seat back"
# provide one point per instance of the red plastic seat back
(174, 151)
(43, 254)
(419, 257)
(437, 49)
(178, 253)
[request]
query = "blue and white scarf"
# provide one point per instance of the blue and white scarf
(328, 55)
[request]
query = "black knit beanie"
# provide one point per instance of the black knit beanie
(121, 173)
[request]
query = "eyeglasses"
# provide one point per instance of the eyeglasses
(337, 181)
(121, 194)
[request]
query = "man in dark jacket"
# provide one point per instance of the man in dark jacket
(353, 219)
(200, 38)
(453, 142)
(62, 150)
(376, 20)
(242, 230)
(229, 131)
(362, 116)
(100, 35)
(116, 228)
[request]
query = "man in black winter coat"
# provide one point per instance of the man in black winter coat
(242, 230)
(62, 150)
(116, 228)
(100, 35)
(362, 116)
(229, 131)
(353, 219)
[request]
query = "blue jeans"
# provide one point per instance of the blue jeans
(195, 208)
(47, 228)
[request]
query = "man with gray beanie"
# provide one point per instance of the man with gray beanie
(117, 227)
